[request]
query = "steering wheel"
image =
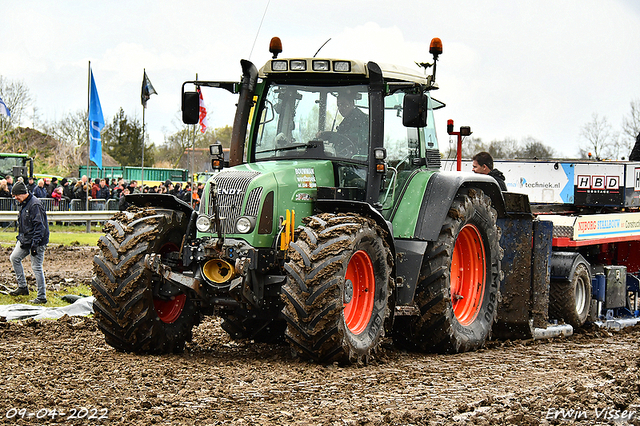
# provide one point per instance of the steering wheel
(344, 146)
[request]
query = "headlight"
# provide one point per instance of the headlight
(279, 66)
(342, 66)
(298, 65)
(203, 223)
(245, 224)
(321, 65)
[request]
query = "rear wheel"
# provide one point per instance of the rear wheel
(133, 308)
(338, 290)
(457, 293)
(570, 300)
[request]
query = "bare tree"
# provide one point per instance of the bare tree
(631, 125)
(509, 148)
(535, 149)
(17, 98)
(601, 140)
(71, 132)
(470, 146)
(504, 149)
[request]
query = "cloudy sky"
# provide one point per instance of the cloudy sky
(510, 69)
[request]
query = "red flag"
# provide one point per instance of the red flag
(203, 113)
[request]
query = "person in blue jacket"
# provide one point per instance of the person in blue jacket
(39, 191)
(33, 237)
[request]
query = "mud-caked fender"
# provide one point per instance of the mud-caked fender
(439, 194)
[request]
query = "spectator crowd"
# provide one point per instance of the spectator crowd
(101, 189)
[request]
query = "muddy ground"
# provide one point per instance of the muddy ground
(55, 368)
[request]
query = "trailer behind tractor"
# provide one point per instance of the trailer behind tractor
(334, 228)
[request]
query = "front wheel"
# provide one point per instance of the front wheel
(133, 310)
(338, 290)
(458, 289)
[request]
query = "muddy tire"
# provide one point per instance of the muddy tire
(570, 300)
(458, 288)
(339, 288)
(129, 310)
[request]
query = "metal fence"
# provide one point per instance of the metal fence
(53, 205)
(65, 211)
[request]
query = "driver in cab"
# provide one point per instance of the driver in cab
(351, 136)
(355, 123)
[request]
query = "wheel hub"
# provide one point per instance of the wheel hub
(348, 291)
(468, 277)
(360, 290)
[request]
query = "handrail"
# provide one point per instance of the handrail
(51, 204)
(57, 216)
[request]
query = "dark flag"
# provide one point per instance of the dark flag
(147, 89)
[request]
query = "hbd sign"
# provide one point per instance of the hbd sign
(598, 183)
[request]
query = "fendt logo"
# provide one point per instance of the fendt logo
(229, 191)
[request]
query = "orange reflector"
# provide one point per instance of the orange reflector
(380, 168)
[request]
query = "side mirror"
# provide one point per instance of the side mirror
(414, 107)
(190, 107)
(217, 162)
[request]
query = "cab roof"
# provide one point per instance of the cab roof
(344, 67)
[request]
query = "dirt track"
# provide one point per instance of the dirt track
(65, 365)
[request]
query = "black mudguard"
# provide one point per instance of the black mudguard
(442, 189)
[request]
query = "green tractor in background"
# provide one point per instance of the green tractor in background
(333, 227)
(17, 165)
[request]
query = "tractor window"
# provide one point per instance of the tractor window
(313, 122)
(8, 163)
(403, 145)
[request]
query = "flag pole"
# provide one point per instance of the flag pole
(88, 143)
(144, 109)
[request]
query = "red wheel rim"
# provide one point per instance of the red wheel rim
(358, 306)
(468, 275)
(169, 310)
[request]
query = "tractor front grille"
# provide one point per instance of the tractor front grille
(231, 187)
(253, 202)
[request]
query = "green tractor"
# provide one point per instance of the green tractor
(16, 165)
(332, 228)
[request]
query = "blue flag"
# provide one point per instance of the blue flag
(3, 109)
(96, 123)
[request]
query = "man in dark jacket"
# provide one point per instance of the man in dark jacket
(483, 164)
(67, 189)
(103, 193)
(33, 237)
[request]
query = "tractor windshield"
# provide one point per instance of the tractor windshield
(314, 122)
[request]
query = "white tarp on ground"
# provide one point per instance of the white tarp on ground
(81, 307)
